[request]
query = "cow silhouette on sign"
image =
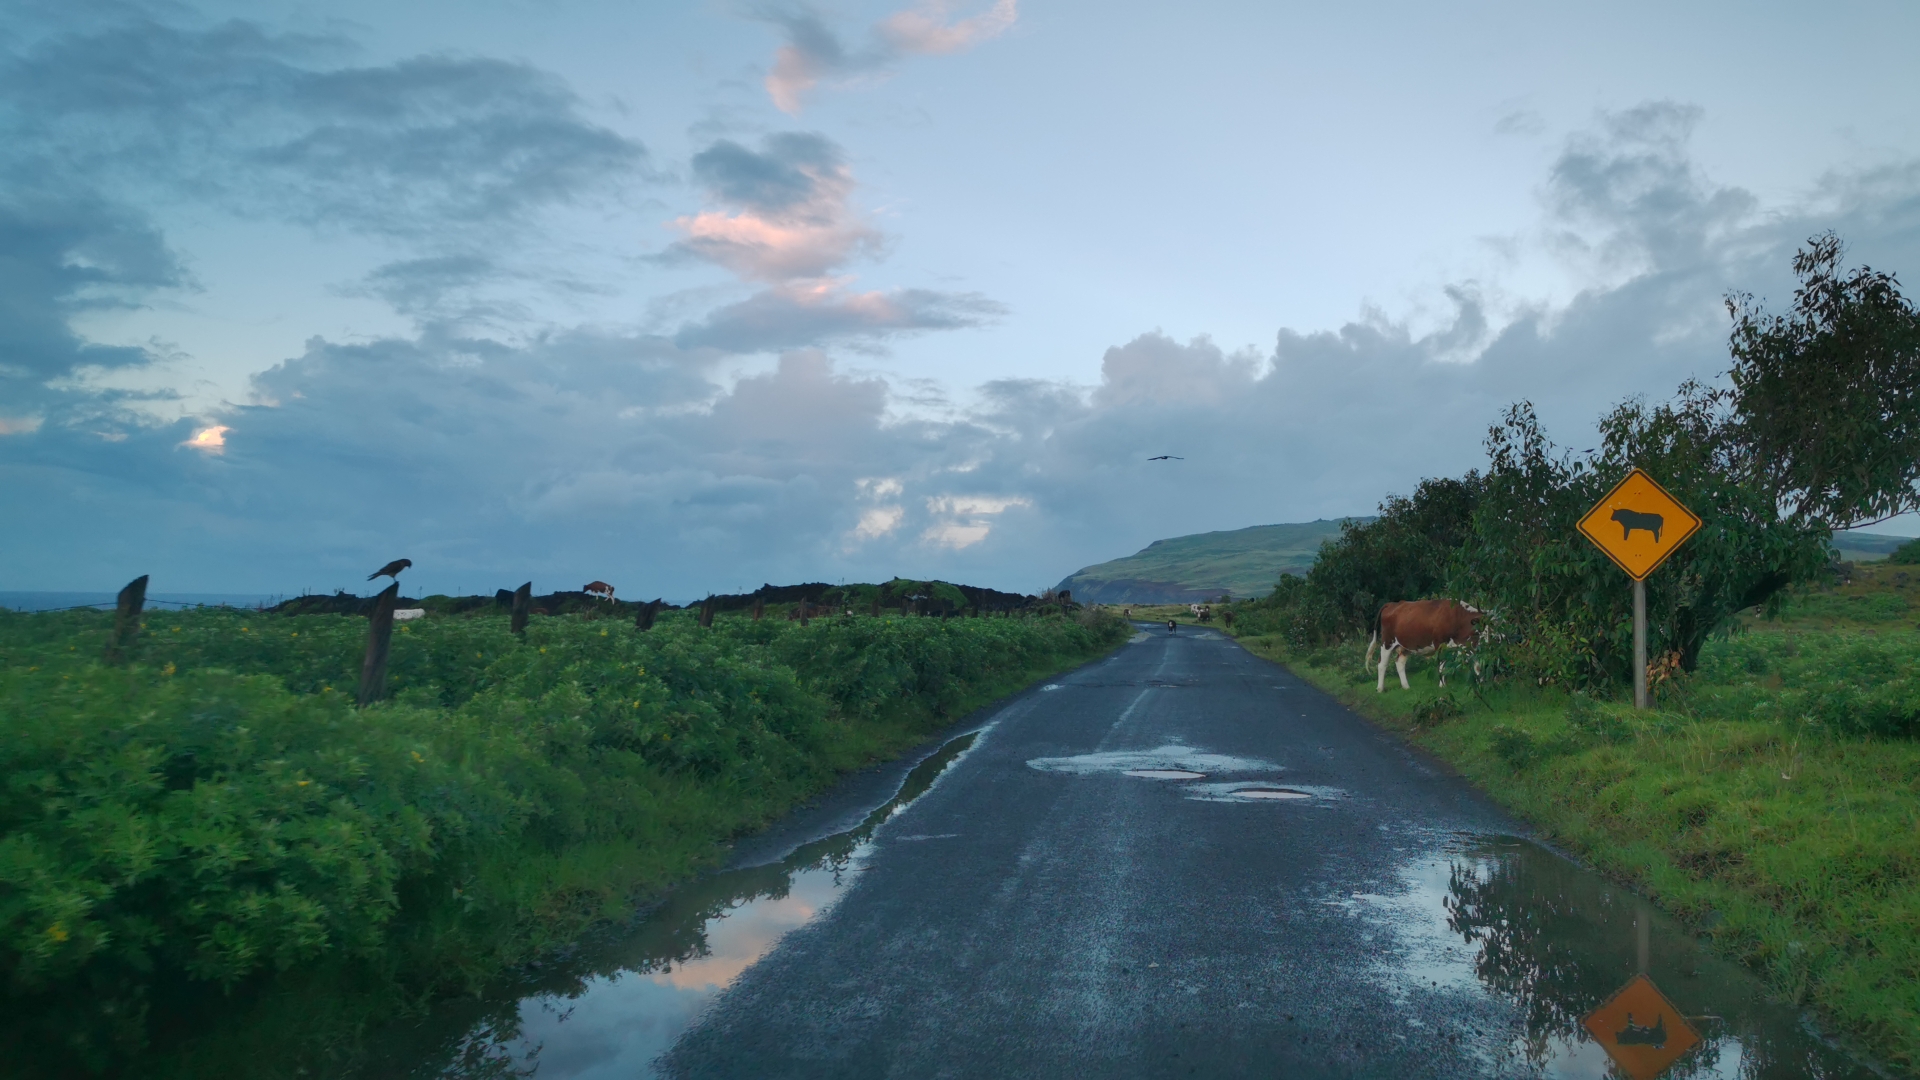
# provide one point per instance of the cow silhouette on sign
(1633, 519)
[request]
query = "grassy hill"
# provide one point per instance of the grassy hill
(1866, 546)
(1244, 562)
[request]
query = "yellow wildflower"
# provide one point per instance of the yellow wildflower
(57, 932)
(302, 783)
(417, 757)
(168, 670)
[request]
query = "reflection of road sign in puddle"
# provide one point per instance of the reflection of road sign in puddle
(1641, 1030)
(1638, 524)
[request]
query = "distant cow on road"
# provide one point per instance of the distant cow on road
(1423, 627)
(1633, 519)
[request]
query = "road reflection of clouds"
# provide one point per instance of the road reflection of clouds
(1503, 928)
(619, 1023)
(610, 1010)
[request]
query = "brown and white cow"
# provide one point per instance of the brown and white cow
(599, 590)
(1423, 627)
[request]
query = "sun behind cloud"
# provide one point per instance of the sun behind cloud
(213, 439)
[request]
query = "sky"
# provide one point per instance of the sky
(692, 297)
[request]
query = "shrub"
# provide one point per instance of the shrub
(1515, 747)
(217, 813)
(1436, 711)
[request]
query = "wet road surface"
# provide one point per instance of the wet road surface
(1177, 861)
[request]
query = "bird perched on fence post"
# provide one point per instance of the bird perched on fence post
(391, 570)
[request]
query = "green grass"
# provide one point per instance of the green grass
(1772, 798)
(212, 864)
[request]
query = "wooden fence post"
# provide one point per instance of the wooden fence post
(643, 620)
(126, 620)
(373, 672)
(522, 607)
(706, 613)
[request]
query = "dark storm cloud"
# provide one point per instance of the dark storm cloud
(107, 115)
(276, 125)
(60, 256)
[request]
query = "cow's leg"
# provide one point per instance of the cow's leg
(1440, 667)
(1404, 684)
(1386, 656)
(1372, 640)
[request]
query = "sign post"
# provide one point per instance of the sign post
(1638, 525)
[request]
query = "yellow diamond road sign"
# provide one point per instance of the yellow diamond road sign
(1638, 524)
(1641, 1030)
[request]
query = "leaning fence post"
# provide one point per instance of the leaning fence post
(643, 619)
(373, 672)
(522, 607)
(126, 619)
(706, 613)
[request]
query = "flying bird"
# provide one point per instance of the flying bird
(391, 570)
(1166, 457)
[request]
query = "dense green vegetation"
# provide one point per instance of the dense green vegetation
(1243, 562)
(210, 852)
(1771, 798)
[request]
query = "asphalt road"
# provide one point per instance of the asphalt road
(1040, 912)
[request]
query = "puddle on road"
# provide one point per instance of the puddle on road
(1503, 922)
(1271, 793)
(1165, 774)
(621, 1002)
(1172, 758)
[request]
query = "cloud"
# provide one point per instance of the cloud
(60, 255)
(791, 217)
(277, 126)
(627, 457)
(789, 222)
(1154, 370)
(961, 521)
(212, 440)
(924, 29)
(817, 313)
(812, 52)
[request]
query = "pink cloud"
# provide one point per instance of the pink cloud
(925, 30)
(813, 52)
(795, 71)
(764, 248)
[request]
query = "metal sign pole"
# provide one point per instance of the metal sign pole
(1639, 643)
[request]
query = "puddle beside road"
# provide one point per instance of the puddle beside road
(1503, 922)
(621, 1002)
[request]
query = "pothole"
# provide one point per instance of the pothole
(1166, 774)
